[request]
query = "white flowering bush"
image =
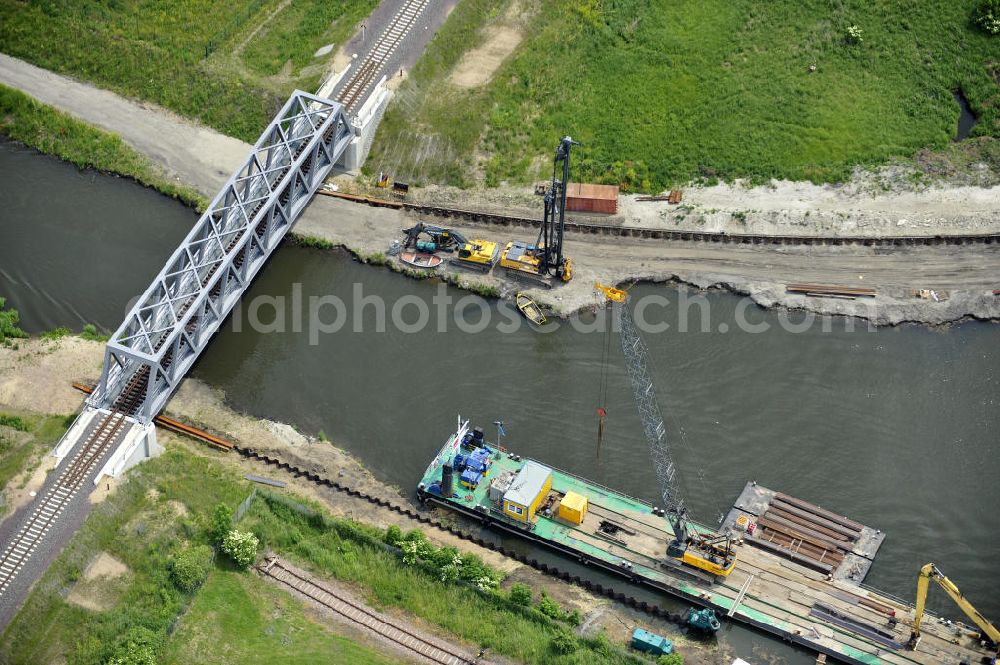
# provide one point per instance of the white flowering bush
(854, 35)
(241, 546)
(987, 16)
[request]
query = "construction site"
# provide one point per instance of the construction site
(716, 424)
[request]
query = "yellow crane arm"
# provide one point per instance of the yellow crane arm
(931, 572)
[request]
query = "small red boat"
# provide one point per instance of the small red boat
(421, 260)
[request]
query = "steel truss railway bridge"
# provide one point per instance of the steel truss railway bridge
(174, 320)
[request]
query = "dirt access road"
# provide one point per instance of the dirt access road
(203, 158)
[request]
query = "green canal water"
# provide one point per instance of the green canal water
(894, 427)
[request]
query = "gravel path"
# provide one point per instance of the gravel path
(194, 154)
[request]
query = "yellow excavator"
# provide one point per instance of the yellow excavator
(930, 572)
(543, 262)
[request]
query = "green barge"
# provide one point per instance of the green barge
(803, 592)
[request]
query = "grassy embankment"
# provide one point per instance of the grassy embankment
(53, 132)
(205, 59)
(24, 438)
(165, 506)
(662, 92)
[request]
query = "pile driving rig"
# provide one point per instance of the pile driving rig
(543, 262)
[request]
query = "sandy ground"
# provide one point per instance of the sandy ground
(856, 209)
(963, 276)
(95, 589)
(44, 370)
(477, 65)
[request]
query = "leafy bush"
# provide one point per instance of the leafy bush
(671, 659)
(241, 546)
(393, 535)
(57, 333)
(854, 35)
(137, 646)
(9, 319)
(191, 566)
(90, 333)
(563, 642)
(14, 422)
(549, 607)
(987, 16)
(520, 594)
(222, 523)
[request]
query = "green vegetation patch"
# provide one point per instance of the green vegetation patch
(299, 29)
(9, 317)
(141, 526)
(181, 54)
(238, 618)
(25, 441)
(24, 119)
(424, 581)
(661, 92)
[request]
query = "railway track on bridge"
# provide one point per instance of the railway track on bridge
(374, 62)
(432, 651)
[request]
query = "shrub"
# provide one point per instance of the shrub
(563, 642)
(671, 659)
(191, 567)
(14, 422)
(57, 333)
(520, 594)
(987, 16)
(854, 35)
(222, 523)
(549, 607)
(393, 535)
(90, 333)
(137, 646)
(241, 546)
(8, 323)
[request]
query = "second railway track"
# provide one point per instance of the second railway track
(430, 650)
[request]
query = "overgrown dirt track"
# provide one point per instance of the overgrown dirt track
(600, 589)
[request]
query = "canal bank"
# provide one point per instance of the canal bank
(963, 275)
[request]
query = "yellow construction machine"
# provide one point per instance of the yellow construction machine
(694, 547)
(543, 262)
(989, 633)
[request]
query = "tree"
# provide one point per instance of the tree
(191, 566)
(222, 523)
(987, 16)
(241, 546)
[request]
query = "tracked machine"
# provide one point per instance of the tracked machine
(543, 263)
(477, 255)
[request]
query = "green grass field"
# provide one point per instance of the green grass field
(664, 91)
(236, 618)
(202, 58)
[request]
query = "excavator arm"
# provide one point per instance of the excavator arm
(931, 572)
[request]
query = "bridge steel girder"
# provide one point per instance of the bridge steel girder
(173, 321)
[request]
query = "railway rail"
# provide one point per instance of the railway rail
(600, 589)
(713, 237)
(54, 500)
(432, 651)
(374, 62)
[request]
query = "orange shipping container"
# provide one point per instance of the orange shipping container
(585, 197)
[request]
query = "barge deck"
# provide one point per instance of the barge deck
(797, 575)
